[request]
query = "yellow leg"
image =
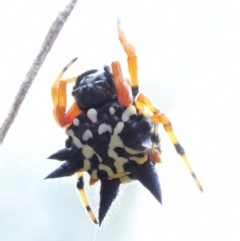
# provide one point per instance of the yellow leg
(157, 118)
(80, 186)
(60, 99)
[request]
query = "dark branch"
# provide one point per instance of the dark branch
(45, 48)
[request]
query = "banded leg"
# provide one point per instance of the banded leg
(157, 118)
(60, 99)
(80, 187)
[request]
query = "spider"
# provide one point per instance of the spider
(112, 131)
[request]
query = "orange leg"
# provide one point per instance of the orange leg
(157, 117)
(155, 156)
(122, 84)
(59, 98)
(132, 57)
(92, 181)
(155, 152)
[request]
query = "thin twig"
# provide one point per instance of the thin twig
(45, 48)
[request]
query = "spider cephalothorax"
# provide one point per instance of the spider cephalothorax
(92, 91)
(112, 132)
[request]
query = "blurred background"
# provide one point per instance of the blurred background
(188, 59)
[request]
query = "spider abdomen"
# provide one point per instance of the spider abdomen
(108, 142)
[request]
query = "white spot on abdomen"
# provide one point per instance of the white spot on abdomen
(87, 150)
(112, 154)
(76, 141)
(92, 115)
(76, 122)
(115, 140)
(104, 128)
(111, 110)
(131, 110)
(86, 135)
(119, 127)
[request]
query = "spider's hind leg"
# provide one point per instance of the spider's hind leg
(80, 187)
(158, 117)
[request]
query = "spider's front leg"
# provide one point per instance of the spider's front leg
(59, 98)
(132, 68)
(158, 117)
